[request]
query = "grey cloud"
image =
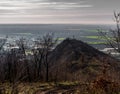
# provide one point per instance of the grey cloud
(36, 6)
(57, 10)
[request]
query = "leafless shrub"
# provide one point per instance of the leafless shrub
(112, 37)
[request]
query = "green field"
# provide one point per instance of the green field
(96, 43)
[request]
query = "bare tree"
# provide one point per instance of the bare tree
(38, 58)
(112, 38)
(16, 64)
(2, 42)
(47, 44)
(22, 44)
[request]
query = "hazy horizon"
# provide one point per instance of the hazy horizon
(58, 11)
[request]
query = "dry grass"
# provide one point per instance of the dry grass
(99, 86)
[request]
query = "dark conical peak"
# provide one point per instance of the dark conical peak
(76, 57)
(72, 49)
(79, 46)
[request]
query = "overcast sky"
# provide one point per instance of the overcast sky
(58, 11)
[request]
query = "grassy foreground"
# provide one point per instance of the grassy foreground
(99, 86)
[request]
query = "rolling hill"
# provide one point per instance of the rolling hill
(74, 60)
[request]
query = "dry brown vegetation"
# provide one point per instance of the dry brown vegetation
(72, 67)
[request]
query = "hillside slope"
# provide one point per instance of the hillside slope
(74, 59)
